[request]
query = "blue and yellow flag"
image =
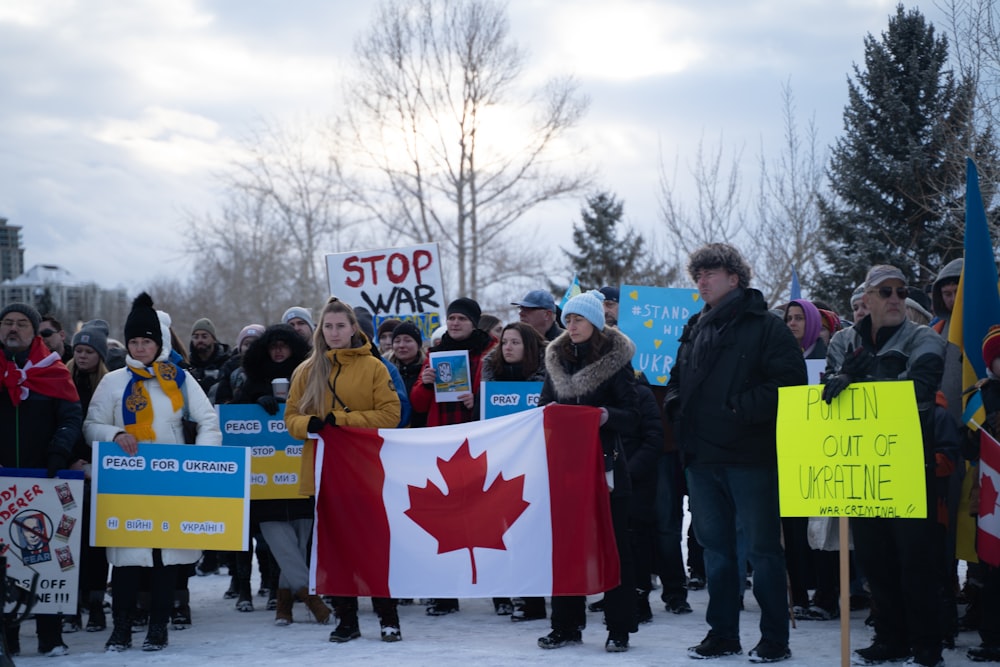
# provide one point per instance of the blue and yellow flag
(571, 291)
(978, 288)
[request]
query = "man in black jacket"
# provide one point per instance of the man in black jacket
(40, 422)
(722, 399)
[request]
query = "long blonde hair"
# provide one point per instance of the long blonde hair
(317, 365)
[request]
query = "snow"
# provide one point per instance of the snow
(475, 636)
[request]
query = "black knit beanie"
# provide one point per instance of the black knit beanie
(143, 322)
(468, 307)
(408, 329)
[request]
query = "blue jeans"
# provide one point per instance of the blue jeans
(721, 498)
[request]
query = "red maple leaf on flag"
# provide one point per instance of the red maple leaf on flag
(467, 517)
(987, 496)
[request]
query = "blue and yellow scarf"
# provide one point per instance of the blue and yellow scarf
(137, 408)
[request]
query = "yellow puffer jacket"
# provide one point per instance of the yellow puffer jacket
(367, 399)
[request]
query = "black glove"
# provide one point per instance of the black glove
(56, 461)
(315, 425)
(834, 385)
(858, 363)
(331, 419)
(269, 403)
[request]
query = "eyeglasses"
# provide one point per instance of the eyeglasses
(16, 324)
(45, 333)
(886, 292)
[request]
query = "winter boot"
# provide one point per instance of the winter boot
(233, 591)
(245, 601)
(316, 606)
(156, 637)
(283, 611)
(96, 620)
(642, 610)
(121, 635)
(180, 617)
(272, 598)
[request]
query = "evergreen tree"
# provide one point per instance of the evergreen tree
(898, 173)
(611, 255)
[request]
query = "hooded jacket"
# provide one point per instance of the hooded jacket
(105, 420)
(723, 401)
(365, 397)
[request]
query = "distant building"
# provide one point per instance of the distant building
(11, 252)
(52, 289)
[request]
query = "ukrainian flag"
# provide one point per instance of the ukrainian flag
(978, 289)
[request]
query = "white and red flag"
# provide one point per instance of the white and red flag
(511, 506)
(988, 525)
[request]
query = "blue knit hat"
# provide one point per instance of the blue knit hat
(589, 305)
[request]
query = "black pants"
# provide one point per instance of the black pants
(162, 581)
(569, 613)
(900, 558)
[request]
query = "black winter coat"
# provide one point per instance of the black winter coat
(608, 382)
(724, 411)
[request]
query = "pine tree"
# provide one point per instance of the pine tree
(611, 255)
(898, 173)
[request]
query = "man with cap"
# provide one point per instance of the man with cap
(722, 402)
(207, 356)
(538, 310)
(232, 376)
(462, 334)
(300, 319)
(899, 556)
(610, 304)
(40, 423)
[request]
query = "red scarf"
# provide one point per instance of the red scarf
(44, 373)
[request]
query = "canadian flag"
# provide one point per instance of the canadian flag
(988, 528)
(511, 506)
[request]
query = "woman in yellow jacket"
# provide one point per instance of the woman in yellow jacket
(342, 384)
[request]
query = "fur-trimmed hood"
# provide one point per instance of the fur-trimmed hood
(569, 384)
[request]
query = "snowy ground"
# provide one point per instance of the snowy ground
(475, 636)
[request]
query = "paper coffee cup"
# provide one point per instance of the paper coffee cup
(279, 387)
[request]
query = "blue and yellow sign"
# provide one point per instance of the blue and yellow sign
(497, 399)
(171, 496)
(654, 317)
(275, 456)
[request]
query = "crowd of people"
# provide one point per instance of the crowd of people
(709, 435)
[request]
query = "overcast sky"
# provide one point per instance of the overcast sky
(116, 115)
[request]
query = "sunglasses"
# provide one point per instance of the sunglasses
(886, 292)
(45, 333)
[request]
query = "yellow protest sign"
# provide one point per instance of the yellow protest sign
(860, 456)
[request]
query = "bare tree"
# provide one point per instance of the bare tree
(432, 126)
(263, 250)
(975, 30)
(788, 233)
(719, 212)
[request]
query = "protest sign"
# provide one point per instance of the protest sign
(654, 317)
(402, 283)
(860, 456)
(171, 496)
(275, 456)
(40, 524)
(451, 375)
(497, 399)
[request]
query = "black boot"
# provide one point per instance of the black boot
(156, 637)
(96, 620)
(245, 597)
(121, 635)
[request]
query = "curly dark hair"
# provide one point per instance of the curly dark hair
(720, 256)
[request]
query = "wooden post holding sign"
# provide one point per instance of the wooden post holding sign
(860, 456)
(401, 283)
(171, 497)
(654, 317)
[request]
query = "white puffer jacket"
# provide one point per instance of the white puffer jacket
(105, 420)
